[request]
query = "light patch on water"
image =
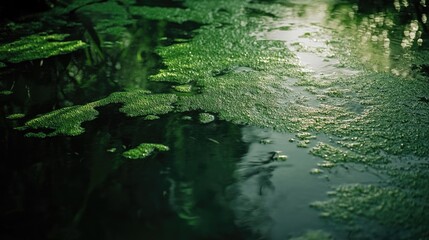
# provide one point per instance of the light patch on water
(274, 195)
(308, 41)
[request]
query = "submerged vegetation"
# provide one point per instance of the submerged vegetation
(348, 84)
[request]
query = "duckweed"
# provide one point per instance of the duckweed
(151, 117)
(314, 235)
(15, 116)
(326, 164)
(67, 121)
(206, 118)
(387, 206)
(5, 92)
(335, 154)
(316, 171)
(147, 104)
(144, 150)
(38, 46)
(305, 136)
(266, 141)
(186, 88)
(303, 143)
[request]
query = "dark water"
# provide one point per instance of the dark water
(218, 181)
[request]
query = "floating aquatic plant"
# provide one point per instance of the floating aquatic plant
(335, 154)
(38, 46)
(206, 117)
(387, 206)
(314, 235)
(144, 150)
(16, 116)
(67, 121)
(186, 88)
(5, 92)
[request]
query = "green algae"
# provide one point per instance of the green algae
(2, 65)
(144, 150)
(305, 136)
(206, 118)
(38, 46)
(246, 97)
(151, 117)
(314, 235)
(203, 11)
(136, 104)
(110, 19)
(15, 116)
(316, 171)
(186, 88)
(303, 143)
(5, 92)
(67, 121)
(337, 155)
(387, 206)
(399, 203)
(326, 164)
(258, 97)
(36, 135)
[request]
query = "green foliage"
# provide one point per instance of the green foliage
(38, 46)
(144, 150)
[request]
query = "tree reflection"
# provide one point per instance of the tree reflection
(388, 35)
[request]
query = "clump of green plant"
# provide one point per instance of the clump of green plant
(206, 117)
(15, 116)
(67, 121)
(38, 46)
(335, 155)
(144, 150)
(314, 235)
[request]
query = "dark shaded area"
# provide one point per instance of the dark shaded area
(11, 10)
(161, 3)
